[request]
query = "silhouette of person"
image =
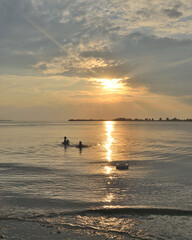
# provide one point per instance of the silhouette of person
(80, 145)
(66, 141)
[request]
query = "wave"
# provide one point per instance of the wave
(16, 167)
(85, 220)
(139, 211)
(90, 229)
(134, 211)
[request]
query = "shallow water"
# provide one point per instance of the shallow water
(41, 181)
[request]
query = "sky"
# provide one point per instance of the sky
(62, 59)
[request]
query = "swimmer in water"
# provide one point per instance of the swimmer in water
(66, 141)
(80, 145)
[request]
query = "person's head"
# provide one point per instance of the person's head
(65, 137)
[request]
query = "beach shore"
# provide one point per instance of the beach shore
(26, 230)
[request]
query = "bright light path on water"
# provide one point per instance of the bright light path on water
(110, 139)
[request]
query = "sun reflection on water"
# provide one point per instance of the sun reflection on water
(109, 127)
(109, 198)
(109, 140)
(108, 169)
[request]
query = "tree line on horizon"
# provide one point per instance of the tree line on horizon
(134, 119)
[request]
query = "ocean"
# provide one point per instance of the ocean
(48, 191)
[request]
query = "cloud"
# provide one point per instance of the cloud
(69, 43)
(158, 64)
(173, 12)
(187, 100)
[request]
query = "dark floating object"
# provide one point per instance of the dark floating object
(122, 166)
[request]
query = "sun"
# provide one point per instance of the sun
(111, 84)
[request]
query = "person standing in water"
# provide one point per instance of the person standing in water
(80, 145)
(66, 141)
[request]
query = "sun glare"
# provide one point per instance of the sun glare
(111, 84)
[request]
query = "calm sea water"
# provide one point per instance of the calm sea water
(42, 181)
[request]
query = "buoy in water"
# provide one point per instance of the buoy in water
(122, 166)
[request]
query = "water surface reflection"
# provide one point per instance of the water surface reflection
(108, 169)
(109, 125)
(109, 128)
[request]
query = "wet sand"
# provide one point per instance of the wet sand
(24, 230)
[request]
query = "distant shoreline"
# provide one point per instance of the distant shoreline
(134, 120)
